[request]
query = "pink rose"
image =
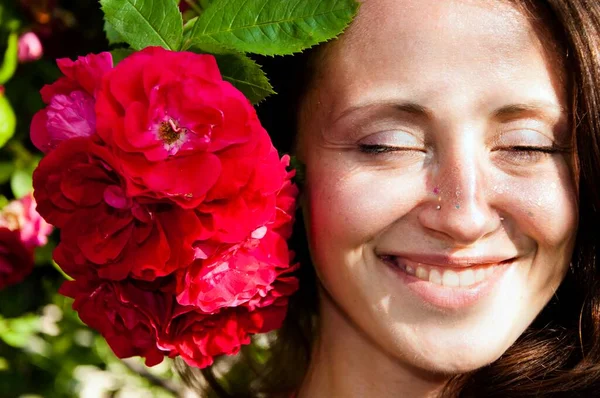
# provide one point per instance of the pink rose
(22, 216)
(71, 100)
(237, 276)
(16, 260)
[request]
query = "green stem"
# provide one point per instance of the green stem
(67, 277)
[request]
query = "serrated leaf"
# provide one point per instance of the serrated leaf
(21, 183)
(112, 35)
(144, 23)
(246, 75)
(272, 27)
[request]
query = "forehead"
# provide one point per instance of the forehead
(437, 24)
(429, 49)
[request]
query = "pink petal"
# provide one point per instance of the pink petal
(67, 116)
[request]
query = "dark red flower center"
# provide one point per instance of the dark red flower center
(169, 131)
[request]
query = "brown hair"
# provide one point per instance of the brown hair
(559, 353)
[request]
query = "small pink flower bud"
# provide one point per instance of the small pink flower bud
(30, 47)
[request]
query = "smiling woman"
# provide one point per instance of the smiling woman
(451, 154)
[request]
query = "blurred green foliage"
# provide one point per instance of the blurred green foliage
(45, 350)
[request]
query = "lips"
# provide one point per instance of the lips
(464, 276)
(450, 283)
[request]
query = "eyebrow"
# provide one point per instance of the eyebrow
(546, 110)
(411, 108)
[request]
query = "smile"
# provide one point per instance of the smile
(450, 284)
(445, 276)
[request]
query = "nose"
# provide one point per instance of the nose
(457, 208)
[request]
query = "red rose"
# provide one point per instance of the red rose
(198, 338)
(70, 111)
(176, 125)
(16, 261)
(236, 211)
(73, 177)
(235, 276)
(78, 190)
(174, 207)
(128, 317)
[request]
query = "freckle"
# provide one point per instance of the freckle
(530, 214)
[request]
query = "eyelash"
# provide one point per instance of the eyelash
(377, 149)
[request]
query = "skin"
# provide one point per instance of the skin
(467, 63)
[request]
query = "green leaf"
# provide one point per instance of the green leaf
(271, 27)
(112, 35)
(119, 54)
(21, 183)
(10, 60)
(17, 332)
(205, 3)
(144, 23)
(187, 32)
(8, 120)
(246, 75)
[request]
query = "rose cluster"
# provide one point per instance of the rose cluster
(174, 206)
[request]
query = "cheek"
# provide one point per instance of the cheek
(543, 208)
(348, 207)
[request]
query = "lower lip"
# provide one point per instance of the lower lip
(451, 298)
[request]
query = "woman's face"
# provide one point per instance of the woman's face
(440, 197)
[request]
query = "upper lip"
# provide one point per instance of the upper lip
(445, 260)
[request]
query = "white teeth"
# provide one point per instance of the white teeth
(450, 279)
(435, 277)
(467, 277)
(479, 275)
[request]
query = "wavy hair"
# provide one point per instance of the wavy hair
(558, 355)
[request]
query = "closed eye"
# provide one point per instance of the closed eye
(377, 148)
(543, 149)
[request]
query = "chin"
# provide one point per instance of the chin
(456, 359)
(456, 364)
